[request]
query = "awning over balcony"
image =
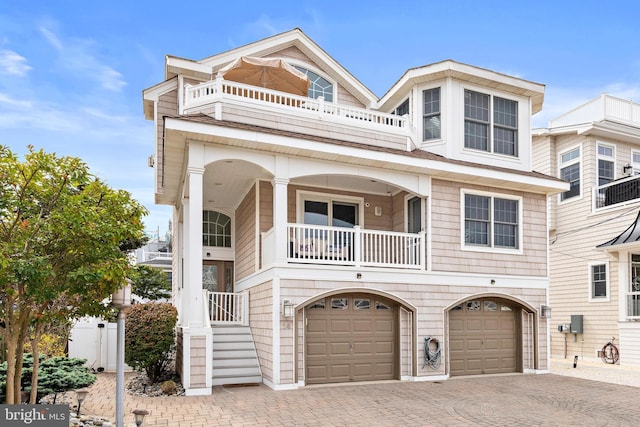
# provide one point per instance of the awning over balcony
(270, 73)
(628, 236)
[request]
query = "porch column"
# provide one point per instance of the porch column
(192, 292)
(281, 238)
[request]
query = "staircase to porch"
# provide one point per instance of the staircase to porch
(235, 360)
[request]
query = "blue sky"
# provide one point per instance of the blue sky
(72, 72)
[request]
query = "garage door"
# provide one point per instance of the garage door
(483, 338)
(350, 338)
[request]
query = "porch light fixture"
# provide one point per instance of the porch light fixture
(139, 415)
(287, 308)
(81, 395)
(545, 311)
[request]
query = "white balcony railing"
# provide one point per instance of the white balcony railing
(605, 107)
(314, 244)
(220, 89)
(228, 308)
(150, 256)
(617, 192)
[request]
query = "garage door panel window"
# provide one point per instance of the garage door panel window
(361, 304)
(339, 303)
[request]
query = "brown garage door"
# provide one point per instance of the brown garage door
(483, 338)
(350, 338)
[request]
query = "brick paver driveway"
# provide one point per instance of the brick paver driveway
(511, 400)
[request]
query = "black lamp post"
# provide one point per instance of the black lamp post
(139, 415)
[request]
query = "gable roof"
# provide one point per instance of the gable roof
(207, 67)
(468, 73)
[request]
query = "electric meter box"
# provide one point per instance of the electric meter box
(576, 324)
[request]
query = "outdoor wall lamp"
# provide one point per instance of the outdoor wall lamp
(81, 395)
(139, 415)
(287, 308)
(626, 169)
(545, 311)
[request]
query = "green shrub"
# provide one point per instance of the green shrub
(150, 338)
(56, 375)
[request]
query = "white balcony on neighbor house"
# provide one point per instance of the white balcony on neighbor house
(151, 256)
(216, 92)
(351, 247)
(605, 107)
(617, 192)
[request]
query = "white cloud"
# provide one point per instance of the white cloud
(13, 63)
(76, 56)
(51, 38)
(6, 99)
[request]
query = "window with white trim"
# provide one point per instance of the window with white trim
(635, 162)
(570, 171)
(633, 292)
(318, 85)
(598, 278)
(216, 229)
(431, 114)
(492, 222)
(606, 163)
(490, 123)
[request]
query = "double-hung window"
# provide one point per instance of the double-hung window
(598, 278)
(633, 293)
(490, 123)
(570, 171)
(491, 221)
(431, 114)
(606, 163)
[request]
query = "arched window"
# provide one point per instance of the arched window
(318, 86)
(216, 229)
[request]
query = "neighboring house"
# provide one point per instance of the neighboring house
(594, 230)
(156, 253)
(339, 230)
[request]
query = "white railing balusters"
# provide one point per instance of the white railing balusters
(215, 90)
(228, 307)
(315, 244)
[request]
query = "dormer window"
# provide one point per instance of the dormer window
(431, 114)
(490, 123)
(318, 86)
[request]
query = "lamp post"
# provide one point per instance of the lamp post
(120, 299)
(81, 395)
(139, 415)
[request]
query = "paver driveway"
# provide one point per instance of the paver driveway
(508, 400)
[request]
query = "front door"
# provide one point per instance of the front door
(217, 276)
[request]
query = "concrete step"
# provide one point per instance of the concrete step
(235, 372)
(251, 379)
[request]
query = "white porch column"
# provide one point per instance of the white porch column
(192, 292)
(280, 220)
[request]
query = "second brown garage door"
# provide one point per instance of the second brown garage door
(350, 338)
(483, 338)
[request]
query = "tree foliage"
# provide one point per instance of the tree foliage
(150, 282)
(61, 234)
(149, 337)
(56, 375)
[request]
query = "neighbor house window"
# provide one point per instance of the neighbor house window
(570, 172)
(633, 293)
(490, 123)
(318, 85)
(492, 222)
(216, 229)
(431, 114)
(635, 162)
(598, 279)
(606, 163)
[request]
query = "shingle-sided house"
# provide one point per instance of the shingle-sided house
(594, 229)
(324, 235)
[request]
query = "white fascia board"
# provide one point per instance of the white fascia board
(396, 161)
(185, 64)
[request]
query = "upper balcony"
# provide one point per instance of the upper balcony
(239, 102)
(617, 192)
(605, 107)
